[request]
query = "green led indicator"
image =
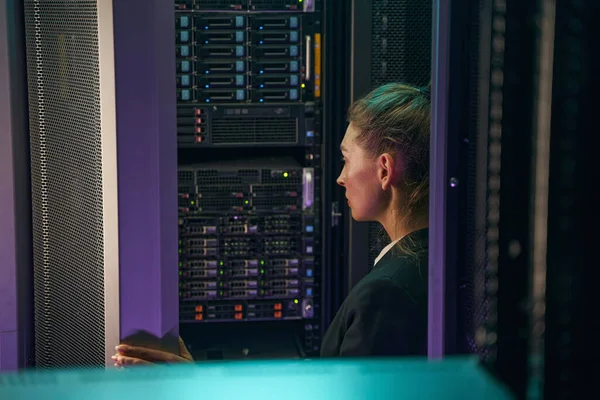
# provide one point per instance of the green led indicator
(246, 202)
(180, 294)
(262, 271)
(221, 272)
(262, 292)
(262, 262)
(285, 174)
(181, 264)
(192, 202)
(180, 273)
(295, 301)
(180, 251)
(221, 263)
(180, 242)
(221, 293)
(221, 284)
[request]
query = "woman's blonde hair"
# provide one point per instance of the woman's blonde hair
(396, 118)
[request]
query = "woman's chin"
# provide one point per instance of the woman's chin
(358, 217)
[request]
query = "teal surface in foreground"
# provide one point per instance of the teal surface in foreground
(452, 378)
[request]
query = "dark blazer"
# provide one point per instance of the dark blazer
(385, 314)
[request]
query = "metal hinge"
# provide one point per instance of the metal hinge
(335, 214)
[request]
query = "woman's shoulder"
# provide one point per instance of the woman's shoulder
(396, 276)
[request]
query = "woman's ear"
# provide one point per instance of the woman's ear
(388, 170)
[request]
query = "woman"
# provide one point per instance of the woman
(386, 178)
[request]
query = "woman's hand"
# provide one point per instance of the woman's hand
(132, 355)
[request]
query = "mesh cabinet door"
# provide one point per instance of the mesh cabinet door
(100, 215)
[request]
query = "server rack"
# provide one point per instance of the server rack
(249, 132)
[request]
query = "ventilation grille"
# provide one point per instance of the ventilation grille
(401, 52)
(401, 42)
(64, 100)
(254, 130)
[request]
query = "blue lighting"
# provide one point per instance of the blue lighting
(262, 72)
(208, 100)
(309, 291)
(309, 228)
(262, 86)
(206, 86)
(260, 28)
(309, 272)
(206, 27)
(206, 72)
(261, 100)
(261, 42)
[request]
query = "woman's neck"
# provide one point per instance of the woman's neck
(397, 225)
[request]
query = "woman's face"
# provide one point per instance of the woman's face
(361, 177)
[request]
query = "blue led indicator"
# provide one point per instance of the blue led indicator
(207, 86)
(309, 291)
(260, 28)
(309, 272)
(310, 134)
(309, 228)
(261, 100)
(261, 42)
(208, 100)
(206, 72)
(206, 27)
(262, 86)
(262, 72)
(206, 42)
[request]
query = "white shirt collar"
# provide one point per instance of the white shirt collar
(385, 250)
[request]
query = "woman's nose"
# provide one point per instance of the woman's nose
(340, 180)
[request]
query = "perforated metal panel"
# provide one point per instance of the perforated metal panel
(66, 168)
(401, 52)
(401, 42)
